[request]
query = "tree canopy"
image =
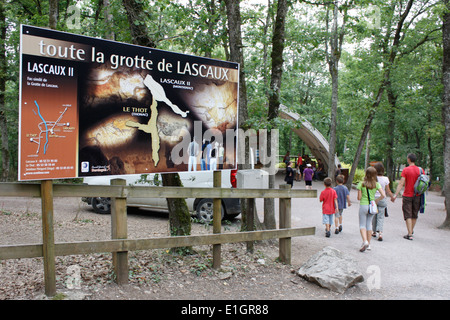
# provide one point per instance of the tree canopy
(390, 65)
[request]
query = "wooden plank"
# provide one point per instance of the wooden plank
(14, 189)
(179, 192)
(72, 190)
(20, 251)
(89, 247)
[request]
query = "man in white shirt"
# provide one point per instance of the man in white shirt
(193, 153)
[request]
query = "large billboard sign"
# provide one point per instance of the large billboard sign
(90, 106)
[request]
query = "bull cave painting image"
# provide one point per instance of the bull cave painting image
(131, 120)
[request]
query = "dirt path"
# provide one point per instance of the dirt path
(403, 269)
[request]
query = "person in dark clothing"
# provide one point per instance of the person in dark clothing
(290, 174)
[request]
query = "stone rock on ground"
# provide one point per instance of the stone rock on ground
(331, 269)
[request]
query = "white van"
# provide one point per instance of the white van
(202, 208)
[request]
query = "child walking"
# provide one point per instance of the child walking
(366, 193)
(308, 176)
(343, 198)
(328, 197)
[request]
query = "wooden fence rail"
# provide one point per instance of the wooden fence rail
(119, 245)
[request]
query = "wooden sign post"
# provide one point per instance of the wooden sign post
(48, 237)
(119, 230)
(285, 223)
(217, 220)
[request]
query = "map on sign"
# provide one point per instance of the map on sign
(47, 130)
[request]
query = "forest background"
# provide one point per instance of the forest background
(369, 75)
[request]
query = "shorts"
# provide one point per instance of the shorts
(308, 183)
(410, 207)
(328, 219)
(339, 213)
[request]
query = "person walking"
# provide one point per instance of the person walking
(308, 174)
(289, 178)
(410, 201)
(366, 194)
(328, 197)
(299, 167)
(343, 198)
(378, 220)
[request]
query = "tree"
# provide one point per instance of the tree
(53, 14)
(138, 27)
(179, 216)
(333, 55)
(237, 55)
(387, 68)
(274, 96)
(446, 108)
(3, 120)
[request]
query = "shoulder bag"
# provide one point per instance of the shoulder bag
(373, 208)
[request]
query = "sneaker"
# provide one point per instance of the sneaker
(365, 245)
(368, 247)
(336, 231)
(340, 228)
(327, 234)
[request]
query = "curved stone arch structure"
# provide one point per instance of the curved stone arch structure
(315, 141)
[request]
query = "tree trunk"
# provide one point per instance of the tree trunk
(180, 222)
(277, 59)
(109, 33)
(179, 216)
(138, 28)
(446, 110)
(274, 98)
(392, 98)
(53, 14)
(333, 58)
(4, 147)
(236, 55)
(265, 47)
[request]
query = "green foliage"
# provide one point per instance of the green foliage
(200, 27)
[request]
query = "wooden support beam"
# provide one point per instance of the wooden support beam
(217, 220)
(68, 190)
(119, 245)
(285, 223)
(48, 237)
(119, 229)
(250, 221)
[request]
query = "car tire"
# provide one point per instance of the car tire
(101, 205)
(205, 211)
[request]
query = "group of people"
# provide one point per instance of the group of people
(372, 191)
(303, 167)
(212, 155)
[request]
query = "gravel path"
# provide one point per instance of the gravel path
(403, 269)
